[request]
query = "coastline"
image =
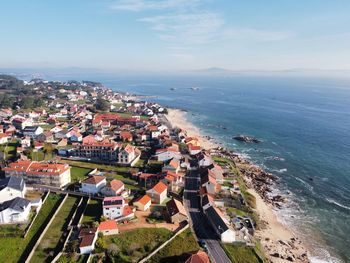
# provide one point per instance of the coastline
(278, 241)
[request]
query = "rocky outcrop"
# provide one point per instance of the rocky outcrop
(247, 139)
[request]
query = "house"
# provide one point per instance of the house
(113, 188)
(158, 193)
(172, 166)
(49, 174)
(88, 237)
(155, 132)
(176, 211)
(226, 234)
(209, 182)
(216, 172)
(32, 131)
(193, 149)
(166, 154)
(93, 184)
(148, 179)
(108, 227)
(173, 180)
(74, 136)
(21, 122)
(4, 138)
(204, 159)
(25, 142)
(128, 155)
(105, 150)
(143, 203)
(196, 257)
(113, 207)
(11, 187)
(126, 136)
(15, 210)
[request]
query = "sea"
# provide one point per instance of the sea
(304, 125)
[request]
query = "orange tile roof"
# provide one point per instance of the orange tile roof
(144, 200)
(199, 257)
(108, 225)
(116, 184)
(95, 179)
(160, 187)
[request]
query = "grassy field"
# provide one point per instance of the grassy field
(242, 254)
(93, 212)
(183, 243)
(103, 167)
(53, 236)
(72, 259)
(79, 173)
(134, 245)
(9, 150)
(14, 249)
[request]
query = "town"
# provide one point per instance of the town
(94, 175)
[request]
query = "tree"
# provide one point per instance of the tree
(102, 104)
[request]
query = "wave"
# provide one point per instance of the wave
(274, 158)
(332, 201)
(280, 171)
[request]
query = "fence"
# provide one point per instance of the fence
(45, 230)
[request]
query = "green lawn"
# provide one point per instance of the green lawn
(9, 150)
(65, 258)
(14, 249)
(239, 253)
(79, 173)
(47, 127)
(54, 235)
(40, 156)
(103, 167)
(183, 243)
(93, 212)
(132, 246)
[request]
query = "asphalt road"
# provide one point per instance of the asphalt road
(201, 226)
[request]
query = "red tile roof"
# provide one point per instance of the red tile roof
(95, 179)
(108, 225)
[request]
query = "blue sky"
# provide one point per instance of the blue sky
(166, 35)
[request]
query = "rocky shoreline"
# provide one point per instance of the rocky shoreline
(282, 248)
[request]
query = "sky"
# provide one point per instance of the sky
(175, 35)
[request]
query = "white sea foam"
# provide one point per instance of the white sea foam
(280, 171)
(332, 201)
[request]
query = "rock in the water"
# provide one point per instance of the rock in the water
(248, 139)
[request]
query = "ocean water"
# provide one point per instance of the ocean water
(305, 127)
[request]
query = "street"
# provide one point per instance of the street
(200, 224)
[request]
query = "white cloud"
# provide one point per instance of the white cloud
(142, 5)
(191, 28)
(206, 27)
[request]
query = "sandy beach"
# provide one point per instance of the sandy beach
(178, 119)
(275, 238)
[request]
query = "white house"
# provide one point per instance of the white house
(143, 203)
(158, 193)
(93, 184)
(167, 154)
(113, 188)
(227, 235)
(108, 227)
(88, 237)
(12, 187)
(3, 138)
(113, 207)
(32, 131)
(14, 211)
